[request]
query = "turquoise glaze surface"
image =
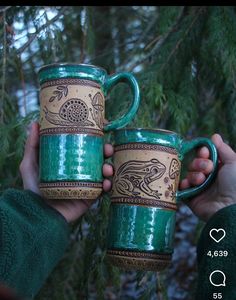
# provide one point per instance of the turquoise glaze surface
(171, 139)
(149, 136)
(94, 73)
(147, 227)
(71, 157)
(70, 70)
(140, 228)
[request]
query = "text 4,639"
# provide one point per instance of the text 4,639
(217, 253)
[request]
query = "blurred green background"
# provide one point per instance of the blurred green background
(184, 59)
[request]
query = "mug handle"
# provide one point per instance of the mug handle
(186, 147)
(128, 116)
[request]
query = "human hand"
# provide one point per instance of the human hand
(222, 191)
(29, 169)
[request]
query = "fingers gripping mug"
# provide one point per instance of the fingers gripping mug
(72, 109)
(145, 192)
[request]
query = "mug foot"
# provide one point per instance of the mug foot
(132, 260)
(71, 190)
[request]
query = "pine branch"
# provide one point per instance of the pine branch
(200, 10)
(160, 40)
(84, 32)
(111, 51)
(3, 10)
(34, 35)
(25, 29)
(23, 85)
(148, 29)
(3, 65)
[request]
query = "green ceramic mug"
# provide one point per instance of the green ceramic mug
(145, 193)
(72, 111)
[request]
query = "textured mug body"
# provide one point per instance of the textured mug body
(72, 110)
(144, 197)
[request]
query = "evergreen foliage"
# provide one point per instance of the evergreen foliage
(184, 59)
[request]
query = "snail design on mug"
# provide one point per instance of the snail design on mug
(74, 112)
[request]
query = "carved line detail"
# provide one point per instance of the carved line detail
(145, 264)
(140, 146)
(129, 182)
(74, 112)
(139, 254)
(69, 184)
(72, 81)
(72, 130)
(174, 168)
(97, 112)
(71, 193)
(143, 201)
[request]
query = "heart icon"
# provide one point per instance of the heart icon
(217, 234)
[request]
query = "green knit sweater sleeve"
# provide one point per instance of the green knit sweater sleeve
(210, 261)
(33, 238)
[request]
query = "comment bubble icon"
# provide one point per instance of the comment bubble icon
(217, 278)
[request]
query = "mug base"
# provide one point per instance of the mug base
(71, 190)
(132, 260)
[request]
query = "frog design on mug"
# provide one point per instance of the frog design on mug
(134, 177)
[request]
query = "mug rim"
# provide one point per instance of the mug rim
(156, 130)
(64, 64)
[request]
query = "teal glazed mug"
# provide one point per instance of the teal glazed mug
(147, 168)
(72, 112)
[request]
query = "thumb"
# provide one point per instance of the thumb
(226, 153)
(29, 164)
(32, 143)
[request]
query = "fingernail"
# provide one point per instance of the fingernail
(111, 165)
(203, 165)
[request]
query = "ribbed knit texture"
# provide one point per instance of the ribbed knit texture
(33, 238)
(225, 219)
